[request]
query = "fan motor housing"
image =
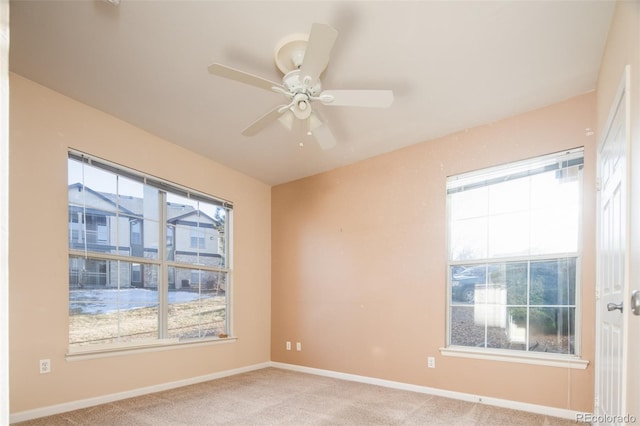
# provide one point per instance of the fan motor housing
(292, 83)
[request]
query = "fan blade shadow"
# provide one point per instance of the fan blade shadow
(358, 98)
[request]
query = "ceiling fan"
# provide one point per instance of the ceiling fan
(302, 59)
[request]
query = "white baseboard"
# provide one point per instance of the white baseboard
(90, 402)
(497, 402)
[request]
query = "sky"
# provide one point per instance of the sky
(103, 181)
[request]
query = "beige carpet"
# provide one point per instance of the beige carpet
(273, 396)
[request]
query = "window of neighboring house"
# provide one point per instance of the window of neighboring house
(87, 228)
(514, 256)
(136, 232)
(125, 287)
(197, 238)
(136, 275)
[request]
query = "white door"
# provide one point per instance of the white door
(612, 280)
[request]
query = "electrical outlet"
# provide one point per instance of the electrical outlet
(288, 346)
(45, 366)
(298, 346)
(431, 362)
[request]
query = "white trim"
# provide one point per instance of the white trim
(4, 211)
(496, 402)
(111, 350)
(549, 360)
(90, 402)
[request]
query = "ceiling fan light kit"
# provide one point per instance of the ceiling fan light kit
(302, 59)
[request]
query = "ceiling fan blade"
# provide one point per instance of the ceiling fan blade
(316, 55)
(242, 77)
(321, 131)
(287, 119)
(357, 98)
(262, 122)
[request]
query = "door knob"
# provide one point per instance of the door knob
(635, 302)
(613, 306)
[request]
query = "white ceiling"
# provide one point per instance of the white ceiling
(451, 64)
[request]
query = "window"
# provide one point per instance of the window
(197, 238)
(514, 255)
(124, 286)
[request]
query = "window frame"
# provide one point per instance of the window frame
(565, 360)
(163, 261)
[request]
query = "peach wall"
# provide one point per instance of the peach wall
(44, 124)
(359, 262)
(623, 48)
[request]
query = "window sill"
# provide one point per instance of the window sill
(78, 354)
(549, 360)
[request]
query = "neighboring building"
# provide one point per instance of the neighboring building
(104, 223)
